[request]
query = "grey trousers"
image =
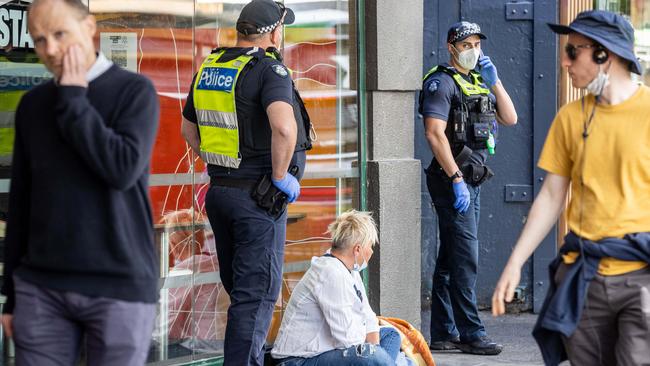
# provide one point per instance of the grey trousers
(50, 326)
(614, 329)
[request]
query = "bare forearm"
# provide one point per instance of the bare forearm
(191, 135)
(283, 136)
(195, 144)
(372, 338)
(282, 147)
(442, 151)
(505, 108)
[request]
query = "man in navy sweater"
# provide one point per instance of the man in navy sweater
(80, 258)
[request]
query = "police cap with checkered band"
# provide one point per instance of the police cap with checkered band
(461, 30)
(263, 16)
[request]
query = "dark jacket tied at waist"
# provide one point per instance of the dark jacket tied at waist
(563, 305)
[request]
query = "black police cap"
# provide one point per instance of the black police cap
(263, 16)
(461, 30)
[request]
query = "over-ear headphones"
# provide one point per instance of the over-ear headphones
(600, 55)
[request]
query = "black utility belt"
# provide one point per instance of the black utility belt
(474, 174)
(265, 194)
(245, 184)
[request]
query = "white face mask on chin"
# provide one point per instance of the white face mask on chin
(356, 267)
(468, 58)
(598, 84)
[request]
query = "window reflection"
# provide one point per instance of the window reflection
(166, 40)
(196, 314)
(20, 70)
(638, 12)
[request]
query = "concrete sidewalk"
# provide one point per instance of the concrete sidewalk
(513, 331)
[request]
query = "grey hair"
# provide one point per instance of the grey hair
(353, 227)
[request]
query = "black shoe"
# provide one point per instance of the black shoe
(481, 346)
(444, 345)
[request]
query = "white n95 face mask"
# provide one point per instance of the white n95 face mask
(468, 58)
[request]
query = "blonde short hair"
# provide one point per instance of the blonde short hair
(353, 227)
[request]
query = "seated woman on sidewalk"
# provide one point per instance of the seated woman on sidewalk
(328, 320)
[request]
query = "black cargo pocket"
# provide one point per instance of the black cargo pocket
(481, 131)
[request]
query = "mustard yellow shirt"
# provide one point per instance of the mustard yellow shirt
(614, 197)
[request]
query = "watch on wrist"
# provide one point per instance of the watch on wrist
(458, 174)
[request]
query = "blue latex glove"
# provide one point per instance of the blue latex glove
(462, 196)
(488, 71)
(289, 185)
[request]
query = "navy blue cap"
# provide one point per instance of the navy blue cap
(263, 16)
(461, 30)
(609, 29)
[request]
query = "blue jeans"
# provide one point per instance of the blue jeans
(250, 248)
(453, 302)
(365, 354)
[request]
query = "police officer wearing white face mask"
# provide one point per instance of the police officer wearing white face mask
(461, 102)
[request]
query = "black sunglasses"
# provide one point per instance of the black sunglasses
(572, 51)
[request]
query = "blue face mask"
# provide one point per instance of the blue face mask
(358, 268)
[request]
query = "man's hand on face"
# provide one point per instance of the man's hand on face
(74, 68)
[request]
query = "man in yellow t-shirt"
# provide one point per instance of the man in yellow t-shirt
(599, 147)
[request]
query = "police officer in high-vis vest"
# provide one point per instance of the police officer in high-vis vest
(246, 120)
(461, 103)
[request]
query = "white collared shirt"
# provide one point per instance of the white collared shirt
(325, 312)
(101, 65)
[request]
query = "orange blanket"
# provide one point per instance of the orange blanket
(413, 343)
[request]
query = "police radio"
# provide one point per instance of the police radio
(460, 124)
(485, 104)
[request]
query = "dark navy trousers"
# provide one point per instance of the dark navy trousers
(250, 248)
(453, 300)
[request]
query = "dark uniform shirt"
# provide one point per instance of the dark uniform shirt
(256, 89)
(440, 90)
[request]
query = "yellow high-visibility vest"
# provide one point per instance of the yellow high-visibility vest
(466, 87)
(216, 109)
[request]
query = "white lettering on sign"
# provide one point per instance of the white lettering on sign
(13, 29)
(5, 36)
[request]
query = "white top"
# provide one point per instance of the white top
(101, 65)
(325, 312)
